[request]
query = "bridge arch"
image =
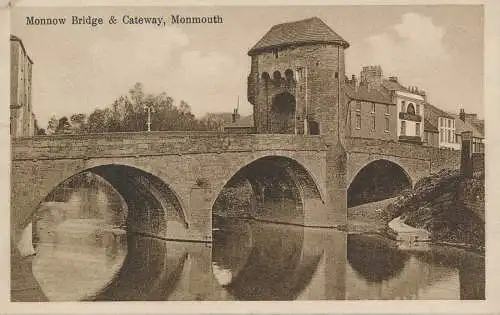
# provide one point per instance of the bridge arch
(272, 181)
(151, 204)
(376, 180)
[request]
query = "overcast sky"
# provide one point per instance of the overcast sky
(79, 68)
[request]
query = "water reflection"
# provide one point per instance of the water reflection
(374, 259)
(88, 254)
(262, 261)
(379, 269)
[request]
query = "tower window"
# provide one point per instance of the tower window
(277, 75)
(373, 122)
(417, 129)
(387, 109)
(386, 124)
(373, 108)
(403, 106)
(418, 109)
(403, 128)
(275, 53)
(358, 121)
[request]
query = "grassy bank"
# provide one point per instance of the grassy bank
(447, 205)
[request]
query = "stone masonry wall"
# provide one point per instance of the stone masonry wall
(325, 66)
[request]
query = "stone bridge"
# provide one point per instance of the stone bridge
(171, 180)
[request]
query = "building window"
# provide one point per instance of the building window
(373, 108)
(275, 52)
(358, 106)
(403, 128)
(456, 138)
(373, 122)
(418, 109)
(441, 135)
(386, 124)
(441, 121)
(417, 129)
(448, 138)
(411, 109)
(387, 109)
(358, 121)
(403, 106)
(449, 123)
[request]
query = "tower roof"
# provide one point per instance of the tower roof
(308, 31)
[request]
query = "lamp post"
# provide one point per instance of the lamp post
(149, 109)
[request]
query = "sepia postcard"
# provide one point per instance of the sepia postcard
(195, 157)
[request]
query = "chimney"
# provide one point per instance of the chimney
(371, 76)
(470, 118)
(462, 115)
(353, 82)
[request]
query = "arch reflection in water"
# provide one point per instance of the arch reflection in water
(150, 271)
(378, 270)
(264, 261)
(78, 230)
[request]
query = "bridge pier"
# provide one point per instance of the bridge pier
(336, 185)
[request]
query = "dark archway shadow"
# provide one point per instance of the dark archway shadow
(379, 180)
(272, 188)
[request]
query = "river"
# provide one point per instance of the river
(88, 258)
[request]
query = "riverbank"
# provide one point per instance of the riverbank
(369, 219)
(448, 206)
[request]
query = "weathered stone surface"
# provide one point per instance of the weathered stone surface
(184, 160)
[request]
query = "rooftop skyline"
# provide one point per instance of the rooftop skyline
(78, 68)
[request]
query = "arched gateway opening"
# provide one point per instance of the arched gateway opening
(283, 113)
(273, 188)
(80, 235)
(379, 180)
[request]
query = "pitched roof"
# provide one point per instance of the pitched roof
(430, 127)
(393, 85)
(437, 111)
(362, 93)
(308, 31)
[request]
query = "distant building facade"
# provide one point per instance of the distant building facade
(445, 124)
(371, 111)
(297, 85)
(384, 109)
(22, 119)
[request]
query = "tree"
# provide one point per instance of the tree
(78, 122)
(52, 125)
(63, 125)
(128, 114)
